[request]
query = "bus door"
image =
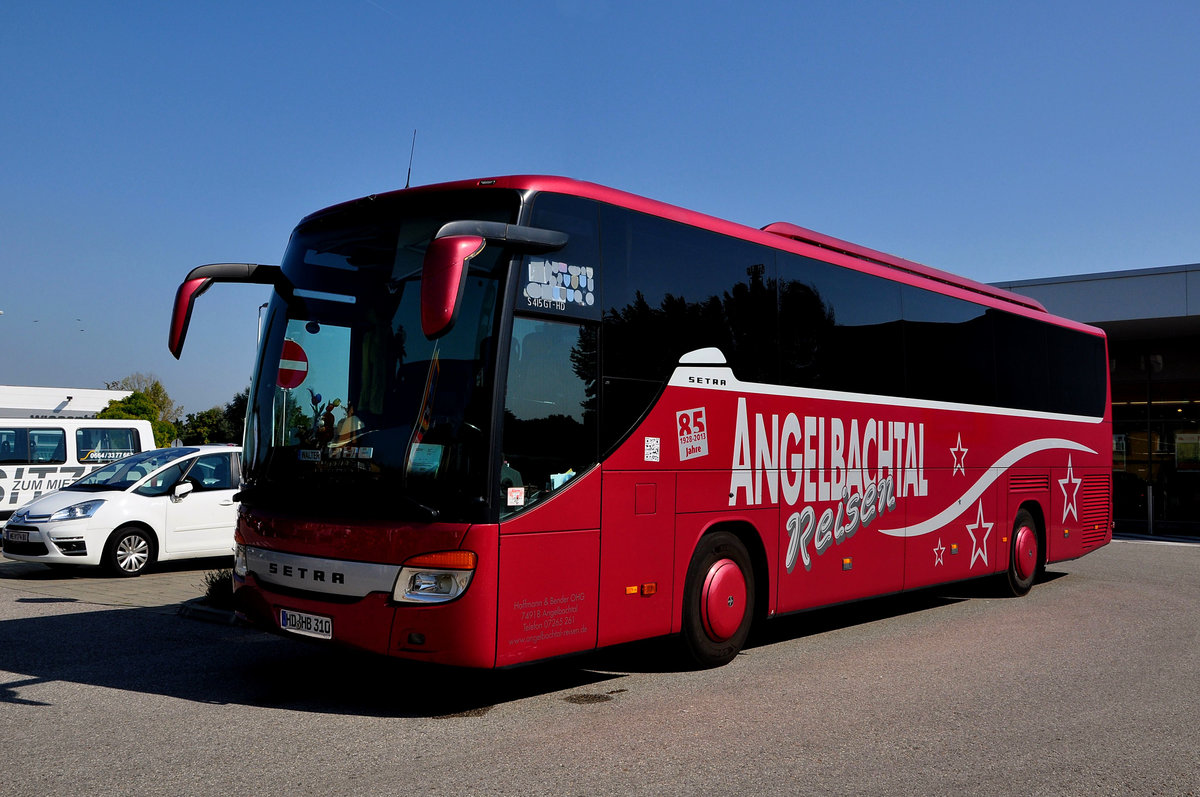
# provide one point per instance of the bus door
(549, 494)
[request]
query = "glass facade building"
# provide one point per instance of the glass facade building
(1152, 317)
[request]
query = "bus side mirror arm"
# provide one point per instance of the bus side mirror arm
(527, 239)
(201, 278)
(444, 269)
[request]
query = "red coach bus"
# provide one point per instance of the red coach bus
(509, 419)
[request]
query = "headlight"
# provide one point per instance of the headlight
(77, 511)
(435, 577)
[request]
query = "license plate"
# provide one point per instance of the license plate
(17, 536)
(307, 624)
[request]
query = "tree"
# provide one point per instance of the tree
(153, 389)
(208, 426)
(139, 406)
(218, 424)
(235, 414)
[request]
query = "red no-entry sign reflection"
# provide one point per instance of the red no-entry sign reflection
(293, 365)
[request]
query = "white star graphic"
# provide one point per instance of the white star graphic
(937, 553)
(979, 549)
(960, 455)
(1069, 500)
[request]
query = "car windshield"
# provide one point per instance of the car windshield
(124, 473)
(354, 412)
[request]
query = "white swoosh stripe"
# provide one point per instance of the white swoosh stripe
(987, 480)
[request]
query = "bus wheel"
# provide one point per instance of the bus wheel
(129, 552)
(718, 600)
(1022, 554)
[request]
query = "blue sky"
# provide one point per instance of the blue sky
(997, 140)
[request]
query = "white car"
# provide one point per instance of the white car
(169, 503)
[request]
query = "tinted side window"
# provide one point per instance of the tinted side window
(840, 329)
(565, 282)
(1021, 364)
(1047, 368)
(1078, 371)
(949, 353)
(669, 289)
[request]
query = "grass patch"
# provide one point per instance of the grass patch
(218, 588)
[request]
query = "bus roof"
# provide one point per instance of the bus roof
(785, 230)
(797, 233)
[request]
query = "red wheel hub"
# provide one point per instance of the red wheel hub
(1025, 551)
(723, 600)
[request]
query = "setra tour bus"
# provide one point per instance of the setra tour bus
(508, 419)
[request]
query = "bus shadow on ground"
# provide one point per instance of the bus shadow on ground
(667, 655)
(152, 651)
(870, 610)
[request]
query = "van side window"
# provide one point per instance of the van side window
(48, 445)
(104, 444)
(33, 446)
(14, 446)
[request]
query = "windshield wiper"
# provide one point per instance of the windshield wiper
(412, 503)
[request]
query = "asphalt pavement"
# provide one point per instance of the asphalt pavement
(166, 588)
(1086, 686)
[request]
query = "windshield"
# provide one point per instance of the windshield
(354, 413)
(124, 473)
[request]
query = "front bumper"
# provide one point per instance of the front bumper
(460, 632)
(57, 543)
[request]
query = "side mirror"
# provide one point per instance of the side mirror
(444, 270)
(181, 316)
(201, 279)
(443, 279)
(182, 491)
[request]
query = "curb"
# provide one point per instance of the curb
(197, 609)
(1155, 538)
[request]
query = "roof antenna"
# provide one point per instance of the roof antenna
(411, 152)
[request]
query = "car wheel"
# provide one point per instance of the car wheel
(129, 551)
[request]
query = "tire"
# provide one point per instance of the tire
(129, 551)
(718, 600)
(1024, 554)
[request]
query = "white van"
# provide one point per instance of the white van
(40, 455)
